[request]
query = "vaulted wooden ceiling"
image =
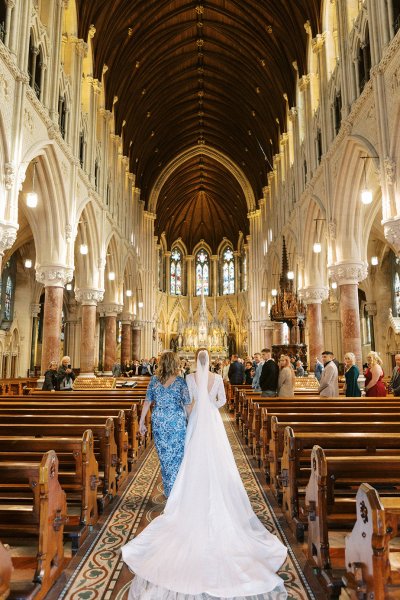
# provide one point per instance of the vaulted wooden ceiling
(208, 72)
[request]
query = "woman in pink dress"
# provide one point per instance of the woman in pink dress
(374, 385)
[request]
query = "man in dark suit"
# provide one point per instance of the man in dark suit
(395, 381)
(236, 371)
(269, 375)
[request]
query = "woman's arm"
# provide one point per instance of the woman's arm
(220, 399)
(145, 410)
(376, 372)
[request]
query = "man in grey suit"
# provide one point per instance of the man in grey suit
(395, 381)
(328, 385)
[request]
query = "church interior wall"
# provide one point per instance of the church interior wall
(103, 209)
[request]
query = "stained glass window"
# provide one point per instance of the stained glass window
(8, 299)
(202, 273)
(176, 272)
(228, 272)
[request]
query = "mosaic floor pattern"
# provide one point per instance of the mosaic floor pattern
(101, 574)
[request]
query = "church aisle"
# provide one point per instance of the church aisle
(101, 574)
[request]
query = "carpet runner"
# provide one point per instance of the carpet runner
(101, 574)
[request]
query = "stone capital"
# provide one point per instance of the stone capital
(54, 275)
(126, 318)
(371, 309)
(391, 228)
(110, 310)
(35, 310)
(89, 296)
(348, 272)
(314, 295)
(8, 234)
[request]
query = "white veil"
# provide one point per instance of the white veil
(208, 543)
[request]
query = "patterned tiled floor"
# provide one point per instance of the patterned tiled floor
(101, 574)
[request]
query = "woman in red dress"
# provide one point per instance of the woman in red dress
(374, 385)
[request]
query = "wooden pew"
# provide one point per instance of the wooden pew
(104, 445)
(6, 569)
(317, 428)
(78, 475)
(330, 500)
(43, 517)
(86, 407)
(86, 421)
(368, 553)
(295, 463)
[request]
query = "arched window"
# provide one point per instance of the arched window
(228, 272)
(8, 293)
(62, 114)
(337, 111)
(176, 272)
(243, 271)
(396, 15)
(202, 273)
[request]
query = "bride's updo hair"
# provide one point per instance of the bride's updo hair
(168, 366)
(201, 350)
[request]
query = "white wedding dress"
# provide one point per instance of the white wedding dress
(208, 543)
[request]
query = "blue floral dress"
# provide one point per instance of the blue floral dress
(168, 421)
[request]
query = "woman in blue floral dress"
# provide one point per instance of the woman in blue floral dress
(169, 396)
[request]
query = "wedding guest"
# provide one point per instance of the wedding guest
(225, 369)
(395, 380)
(248, 379)
(236, 371)
(50, 377)
(169, 396)
(65, 375)
(328, 386)
(374, 385)
(259, 360)
(318, 368)
(351, 374)
(299, 369)
(286, 378)
(269, 375)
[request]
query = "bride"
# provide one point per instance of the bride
(208, 543)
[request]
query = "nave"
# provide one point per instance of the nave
(97, 570)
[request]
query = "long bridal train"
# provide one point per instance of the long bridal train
(208, 542)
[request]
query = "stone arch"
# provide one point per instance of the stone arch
(315, 264)
(50, 220)
(350, 223)
(88, 271)
(216, 155)
(330, 29)
(113, 287)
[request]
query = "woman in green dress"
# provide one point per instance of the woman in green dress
(351, 374)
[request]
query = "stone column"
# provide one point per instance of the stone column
(189, 275)
(268, 334)
(348, 275)
(35, 311)
(89, 299)
(54, 279)
(214, 291)
(126, 338)
(313, 297)
(110, 336)
(136, 341)
(372, 311)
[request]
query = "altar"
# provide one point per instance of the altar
(202, 333)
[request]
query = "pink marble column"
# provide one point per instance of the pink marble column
(110, 342)
(315, 333)
(88, 330)
(52, 320)
(136, 341)
(350, 317)
(126, 341)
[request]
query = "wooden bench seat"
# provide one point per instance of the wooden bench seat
(368, 546)
(43, 518)
(105, 448)
(331, 499)
(78, 475)
(6, 569)
(295, 463)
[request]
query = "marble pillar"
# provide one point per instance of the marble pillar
(136, 343)
(315, 333)
(348, 274)
(126, 341)
(110, 342)
(52, 320)
(88, 330)
(35, 311)
(268, 335)
(350, 317)
(89, 299)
